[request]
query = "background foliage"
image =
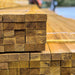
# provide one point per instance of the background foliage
(66, 2)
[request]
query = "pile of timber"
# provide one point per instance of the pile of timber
(61, 42)
(22, 31)
(25, 63)
(62, 58)
(23, 42)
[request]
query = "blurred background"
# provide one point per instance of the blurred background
(65, 8)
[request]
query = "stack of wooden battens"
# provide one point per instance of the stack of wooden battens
(22, 30)
(23, 42)
(61, 42)
(58, 57)
(25, 63)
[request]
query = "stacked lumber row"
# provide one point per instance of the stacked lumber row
(25, 63)
(59, 29)
(22, 31)
(8, 4)
(61, 42)
(62, 58)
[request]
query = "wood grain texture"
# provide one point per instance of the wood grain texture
(1, 34)
(8, 33)
(4, 66)
(18, 30)
(1, 26)
(8, 26)
(4, 72)
(34, 64)
(45, 64)
(13, 18)
(34, 71)
(35, 57)
(55, 68)
(59, 55)
(13, 71)
(0, 18)
(1, 48)
(7, 41)
(44, 70)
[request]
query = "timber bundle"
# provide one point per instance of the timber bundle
(24, 49)
(23, 42)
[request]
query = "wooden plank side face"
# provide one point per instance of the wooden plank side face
(20, 40)
(3, 57)
(34, 71)
(34, 64)
(30, 32)
(1, 41)
(55, 70)
(9, 48)
(41, 32)
(55, 67)
(24, 64)
(36, 17)
(73, 63)
(31, 39)
(40, 47)
(66, 56)
(1, 48)
(41, 39)
(1, 34)
(34, 47)
(72, 71)
(8, 33)
(4, 72)
(19, 47)
(44, 64)
(35, 57)
(45, 57)
(13, 65)
(65, 71)
(24, 71)
(55, 63)
(4, 66)
(13, 57)
(66, 63)
(7, 41)
(41, 26)
(20, 33)
(8, 26)
(1, 26)
(56, 56)
(13, 18)
(14, 71)
(31, 25)
(73, 56)
(30, 47)
(19, 26)
(45, 71)
(35, 39)
(24, 57)
(0, 18)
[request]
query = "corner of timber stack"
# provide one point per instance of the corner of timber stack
(22, 30)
